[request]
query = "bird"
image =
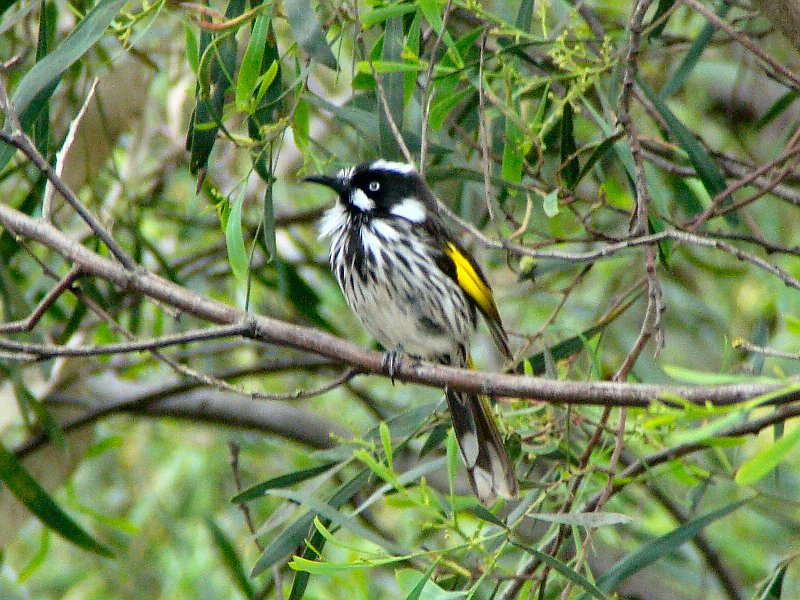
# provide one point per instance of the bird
(418, 291)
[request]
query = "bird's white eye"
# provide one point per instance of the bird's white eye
(374, 186)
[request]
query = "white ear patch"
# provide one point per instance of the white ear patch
(395, 167)
(410, 209)
(361, 201)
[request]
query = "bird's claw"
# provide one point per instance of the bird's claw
(391, 361)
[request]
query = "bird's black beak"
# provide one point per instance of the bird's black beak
(336, 184)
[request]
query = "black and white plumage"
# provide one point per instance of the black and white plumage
(416, 290)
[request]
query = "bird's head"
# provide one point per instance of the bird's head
(381, 189)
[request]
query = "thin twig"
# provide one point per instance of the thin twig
(29, 322)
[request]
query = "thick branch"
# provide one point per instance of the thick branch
(266, 329)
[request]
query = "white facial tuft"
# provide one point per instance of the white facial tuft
(361, 201)
(395, 167)
(333, 221)
(410, 209)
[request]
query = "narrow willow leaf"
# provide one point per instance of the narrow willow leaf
(192, 47)
(452, 460)
(386, 441)
(436, 437)
(432, 10)
(592, 519)
(250, 69)
(780, 105)
(282, 481)
(388, 66)
(513, 152)
(598, 153)
(291, 537)
(307, 31)
(693, 55)
(412, 50)
(38, 84)
(525, 15)
(570, 167)
(41, 125)
(661, 10)
(662, 546)
(443, 106)
(772, 588)
(268, 224)
(764, 461)
(392, 52)
(332, 515)
(576, 578)
(409, 579)
(379, 15)
(231, 560)
(20, 483)
(416, 591)
(701, 161)
(704, 378)
(234, 239)
(215, 71)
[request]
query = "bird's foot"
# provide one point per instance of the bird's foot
(392, 360)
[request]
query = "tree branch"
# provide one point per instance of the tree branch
(274, 331)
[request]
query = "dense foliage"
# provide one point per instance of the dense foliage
(626, 172)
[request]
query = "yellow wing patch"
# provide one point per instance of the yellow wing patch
(472, 283)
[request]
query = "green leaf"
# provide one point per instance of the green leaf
(388, 66)
(290, 538)
(695, 377)
(444, 105)
(392, 52)
(583, 519)
(452, 460)
(234, 239)
(379, 15)
(331, 514)
(39, 83)
(436, 437)
(792, 323)
(598, 153)
(36, 499)
(386, 441)
(663, 7)
(416, 591)
(192, 47)
(693, 56)
(701, 161)
(282, 481)
(550, 204)
(408, 580)
(780, 105)
(764, 461)
(215, 71)
(662, 546)
(513, 152)
(307, 32)
(772, 588)
(566, 571)
(250, 68)
(570, 167)
(525, 15)
(432, 10)
(231, 560)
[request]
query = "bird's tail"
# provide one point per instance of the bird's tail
(488, 464)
